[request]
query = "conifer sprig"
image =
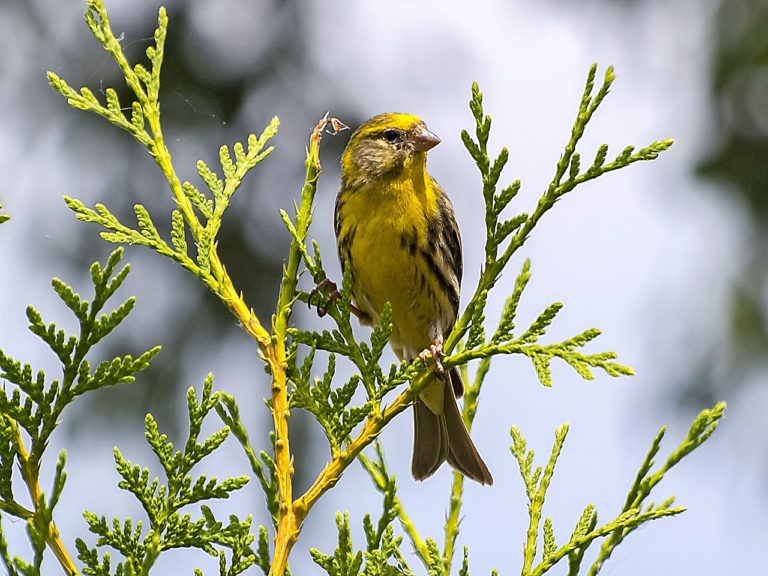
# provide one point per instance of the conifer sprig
(170, 526)
(381, 557)
(262, 465)
(145, 126)
(635, 512)
(505, 237)
(646, 480)
(32, 405)
(385, 483)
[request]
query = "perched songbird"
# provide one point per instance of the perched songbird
(396, 231)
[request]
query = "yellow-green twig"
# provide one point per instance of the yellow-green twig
(405, 521)
(471, 396)
(30, 474)
(289, 520)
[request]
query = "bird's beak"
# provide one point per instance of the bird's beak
(423, 139)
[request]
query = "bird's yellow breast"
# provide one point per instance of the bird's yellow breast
(387, 227)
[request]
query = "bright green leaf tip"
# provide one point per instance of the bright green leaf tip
(3, 217)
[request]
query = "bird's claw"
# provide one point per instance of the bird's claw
(320, 288)
(435, 351)
(327, 285)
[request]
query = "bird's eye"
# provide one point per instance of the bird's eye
(391, 135)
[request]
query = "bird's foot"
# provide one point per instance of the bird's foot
(327, 288)
(435, 351)
(326, 285)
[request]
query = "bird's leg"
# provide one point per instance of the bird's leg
(326, 284)
(436, 352)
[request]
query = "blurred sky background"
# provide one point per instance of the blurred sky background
(668, 258)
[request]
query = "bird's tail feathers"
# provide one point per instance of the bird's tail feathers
(442, 437)
(462, 453)
(430, 441)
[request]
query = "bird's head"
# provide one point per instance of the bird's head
(385, 146)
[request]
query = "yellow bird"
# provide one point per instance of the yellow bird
(396, 231)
